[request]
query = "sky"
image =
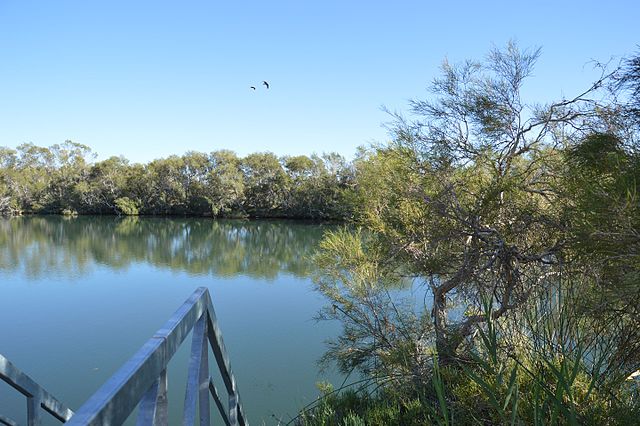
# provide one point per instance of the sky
(148, 79)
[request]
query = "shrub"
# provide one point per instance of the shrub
(127, 206)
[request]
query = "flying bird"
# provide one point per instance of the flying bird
(252, 87)
(266, 84)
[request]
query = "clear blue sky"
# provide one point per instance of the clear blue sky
(146, 79)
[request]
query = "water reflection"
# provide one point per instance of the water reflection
(134, 273)
(40, 246)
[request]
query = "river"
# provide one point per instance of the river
(79, 296)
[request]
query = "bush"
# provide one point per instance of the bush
(9, 207)
(535, 381)
(127, 206)
(355, 408)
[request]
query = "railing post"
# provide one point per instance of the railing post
(203, 377)
(153, 406)
(196, 385)
(38, 399)
(162, 411)
(233, 409)
(33, 410)
(142, 381)
(216, 399)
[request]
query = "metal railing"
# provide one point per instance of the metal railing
(37, 396)
(142, 381)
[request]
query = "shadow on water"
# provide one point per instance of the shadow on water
(71, 246)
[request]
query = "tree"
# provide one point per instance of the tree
(225, 183)
(7, 181)
(34, 169)
(266, 184)
(166, 191)
(195, 170)
(68, 182)
(319, 186)
(299, 167)
(106, 182)
(496, 239)
(628, 81)
(601, 184)
(463, 198)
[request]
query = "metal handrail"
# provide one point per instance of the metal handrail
(37, 396)
(143, 379)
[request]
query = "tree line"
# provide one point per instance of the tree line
(63, 179)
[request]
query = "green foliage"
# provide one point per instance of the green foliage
(493, 274)
(562, 385)
(361, 408)
(126, 206)
(226, 184)
(266, 184)
(627, 83)
(49, 180)
(602, 182)
(320, 187)
(380, 333)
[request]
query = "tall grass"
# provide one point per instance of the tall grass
(542, 375)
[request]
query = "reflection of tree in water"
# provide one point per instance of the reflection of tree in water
(260, 249)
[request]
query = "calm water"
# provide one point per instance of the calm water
(79, 296)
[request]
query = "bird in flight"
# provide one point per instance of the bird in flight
(266, 84)
(252, 87)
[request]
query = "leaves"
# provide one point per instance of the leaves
(62, 177)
